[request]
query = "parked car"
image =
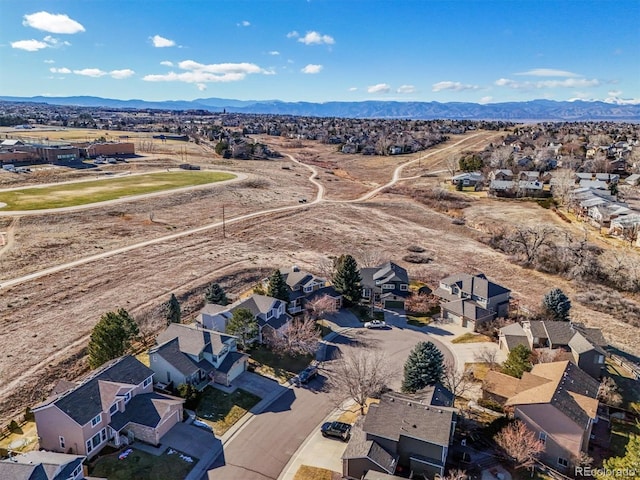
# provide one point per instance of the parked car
(375, 324)
(337, 429)
(307, 374)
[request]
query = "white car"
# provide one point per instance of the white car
(375, 324)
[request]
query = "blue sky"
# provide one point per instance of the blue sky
(322, 50)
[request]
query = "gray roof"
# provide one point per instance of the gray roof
(373, 475)
(260, 305)
(390, 272)
(559, 333)
(468, 309)
(537, 329)
(91, 397)
(230, 360)
(145, 409)
(475, 285)
(435, 395)
(213, 308)
(527, 185)
(56, 466)
(514, 329)
(502, 185)
(170, 351)
(580, 344)
(296, 279)
(576, 381)
(394, 417)
(597, 184)
(17, 471)
(360, 447)
(193, 340)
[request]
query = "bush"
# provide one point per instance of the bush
(416, 249)
(416, 258)
(13, 426)
(28, 415)
(491, 405)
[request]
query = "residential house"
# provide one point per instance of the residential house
(503, 188)
(270, 313)
(470, 300)
(410, 431)
(633, 179)
(557, 401)
(468, 179)
(534, 188)
(194, 355)
(627, 227)
(114, 404)
(584, 346)
(387, 284)
(303, 286)
(42, 466)
(214, 317)
(501, 174)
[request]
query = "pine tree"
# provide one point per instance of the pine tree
(346, 278)
(243, 324)
(215, 294)
(425, 366)
(557, 304)
(172, 310)
(518, 362)
(111, 337)
(277, 287)
(630, 462)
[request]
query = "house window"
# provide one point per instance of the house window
(542, 436)
(404, 287)
(96, 440)
(388, 286)
(77, 471)
(563, 462)
(127, 396)
(146, 383)
(599, 359)
(308, 289)
(96, 420)
(61, 439)
(113, 409)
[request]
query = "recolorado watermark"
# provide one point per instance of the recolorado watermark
(610, 472)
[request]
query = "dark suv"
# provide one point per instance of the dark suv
(307, 374)
(337, 429)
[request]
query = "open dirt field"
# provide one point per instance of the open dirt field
(45, 323)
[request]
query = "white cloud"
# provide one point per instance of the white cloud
(406, 89)
(274, 52)
(161, 42)
(49, 61)
(484, 100)
(353, 89)
(29, 45)
(195, 72)
(90, 72)
(55, 43)
(62, 70)
(52, 22)
(201, 86)
(379, 88)
(311, 69)
(315, 38)
(244, 23)
(566, 83)
(622, 101)
(293, 34)
(548, 72)
(166, 63)
(455, 86)
(614, 93)
(120, 74)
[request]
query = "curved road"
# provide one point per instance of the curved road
(312, 178)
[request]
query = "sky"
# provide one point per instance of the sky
(481, 51)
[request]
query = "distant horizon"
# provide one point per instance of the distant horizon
(321, 51)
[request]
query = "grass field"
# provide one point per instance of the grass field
(143, 466)
(83, 193)
(222, 410)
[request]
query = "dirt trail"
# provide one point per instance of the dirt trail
(9, 236)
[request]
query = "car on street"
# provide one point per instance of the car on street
(337, 430)
(375, 324)
(308, 373)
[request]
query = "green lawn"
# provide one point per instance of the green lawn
(142, 466)
(305, 472)
(221, 410)
(82, 193)
(281, 367)
(620, 432)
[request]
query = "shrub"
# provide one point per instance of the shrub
(416, 258)
(13, 426)
(416, 249)
(491, 405)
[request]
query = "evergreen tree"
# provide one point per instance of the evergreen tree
(557, 304)
(111, 337)
(425, 366)
(518, 362)
(629, 463)
(277, 287)
(346, 278)
(243, 325)
(215, 294)
(172, 310)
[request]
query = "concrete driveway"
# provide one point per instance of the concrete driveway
(257, 384)
(191, 440)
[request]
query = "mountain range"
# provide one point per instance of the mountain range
(534, 110)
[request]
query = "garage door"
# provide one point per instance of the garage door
(237, 369)
(393, 304)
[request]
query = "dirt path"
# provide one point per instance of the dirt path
(9, 236)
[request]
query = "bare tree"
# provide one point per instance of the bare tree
(368, 257)
(452, 165)
(520, 444)
(300, 337)
(608, 392)
(359, 374)
(530, 241)
(457, 381)
(421, 303)
(454, 474)
(321, 306)
(488, 356)
(546, 355)
(326, 267)
(563, 183)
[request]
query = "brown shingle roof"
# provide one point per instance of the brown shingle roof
(500, 384)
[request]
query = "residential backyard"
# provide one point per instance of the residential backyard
(221, 410)
(281, 367)
(143, 466)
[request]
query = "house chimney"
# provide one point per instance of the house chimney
(295, 268)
